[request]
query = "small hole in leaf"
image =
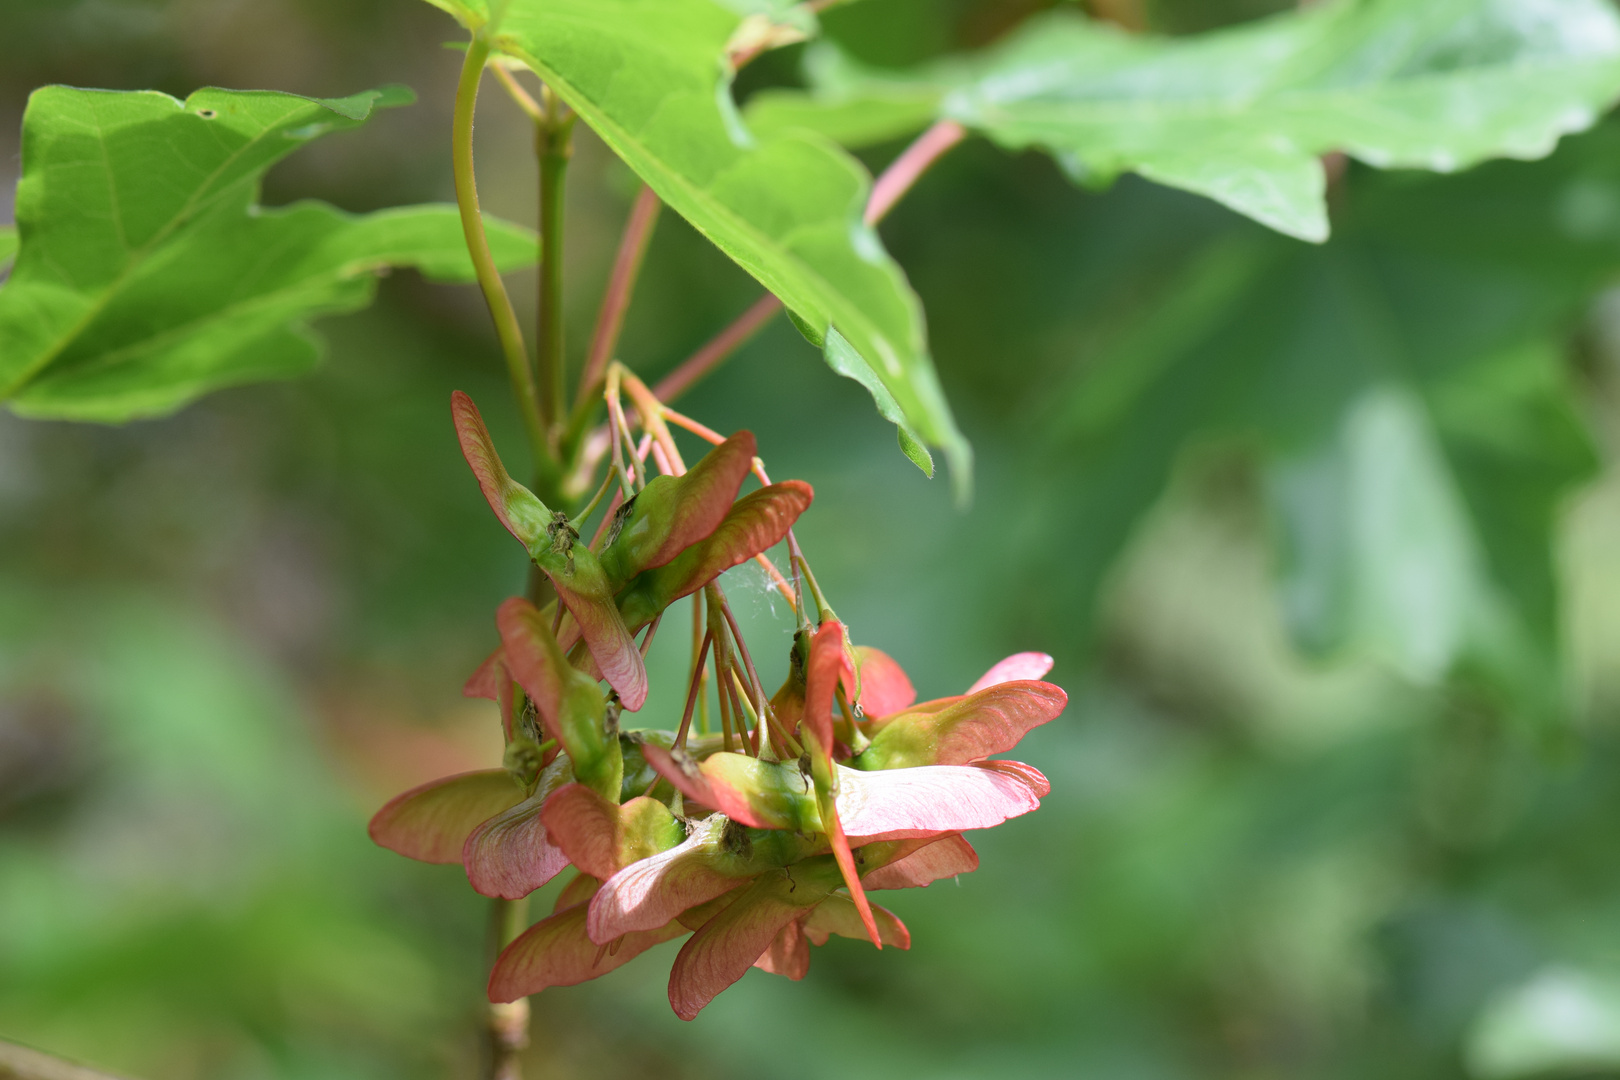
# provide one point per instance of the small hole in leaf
(207, 114)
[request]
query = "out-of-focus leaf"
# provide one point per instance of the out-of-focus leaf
(1382, 550)
(147, 275)
(469, 13)
(1560, 1023)
(769, 24)
(648, 76)
(8, 244)
(850, 103)
(1242, 115)
(1404, 385)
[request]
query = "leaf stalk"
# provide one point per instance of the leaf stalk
(507, 329)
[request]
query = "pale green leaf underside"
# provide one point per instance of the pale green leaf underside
(649, 77)
(1242, 115)
(148, 276)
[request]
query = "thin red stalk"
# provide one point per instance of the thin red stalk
(638, 230)
(652, 628)
(750, 736)
(696, 427)
(720, 697)
(719, 347)
(724, 658)
(796, 560)
(903, 172)
(651, 411)
(616, 418)
(664, 465)
(762, 707)
(692, 690)
(888, 189)
(708, 434)
(596, 500)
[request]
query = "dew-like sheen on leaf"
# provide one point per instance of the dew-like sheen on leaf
(147, 275)
(1241, 115)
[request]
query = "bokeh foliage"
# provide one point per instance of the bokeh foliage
(1323, 539)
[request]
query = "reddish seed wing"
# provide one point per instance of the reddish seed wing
(762, 794)
(930, 799)
(431, 823)
(649, 893)
(535, 659)
(755, 523)
(822, 675)
(567, 699)
(509, 855)
(885, 688)
(516, 506)
(727, 946)
(945, 857)
(556, 952)
(601, 837)
(837, 915)
(1028, 774)
(486, 681)
(970, 729)
(675, 512)
(610, 642)
(1017, 667)
(586, 827)
(826, 668)
(789, 952)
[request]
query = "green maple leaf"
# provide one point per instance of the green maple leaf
(1407, 391)
(1243, 115)
(147, 274)
(649, 76)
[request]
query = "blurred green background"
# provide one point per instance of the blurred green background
(1326, 542)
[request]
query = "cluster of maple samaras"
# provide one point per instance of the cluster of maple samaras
(842, 783)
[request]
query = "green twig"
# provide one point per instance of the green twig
(508, 1022)
(489, 277)
(553, 147)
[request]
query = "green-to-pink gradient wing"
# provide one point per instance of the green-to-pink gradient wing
(431, 823)
(970, 729)
(568, 700)
(602, 837)
(672, 513)
(581, 584)
(755, 523)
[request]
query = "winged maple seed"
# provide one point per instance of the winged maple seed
(755, 841)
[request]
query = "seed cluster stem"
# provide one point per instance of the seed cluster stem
(567, 452)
